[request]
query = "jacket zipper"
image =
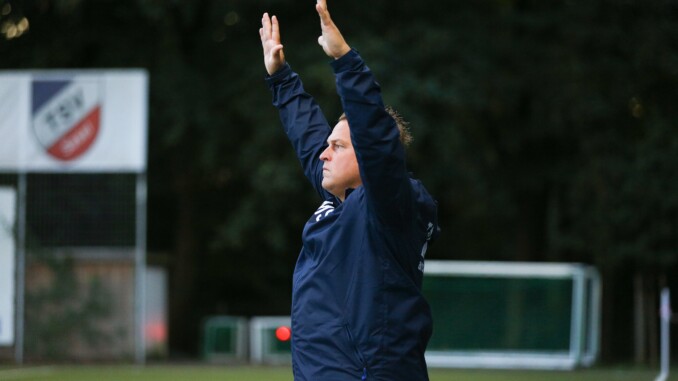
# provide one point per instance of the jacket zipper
(357, 353)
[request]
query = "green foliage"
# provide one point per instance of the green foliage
(64, 312)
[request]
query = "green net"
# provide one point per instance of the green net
(497, 314)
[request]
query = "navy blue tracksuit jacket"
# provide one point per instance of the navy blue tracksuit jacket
(357, 308)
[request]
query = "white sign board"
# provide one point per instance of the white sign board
(7, 207)
(73, 121)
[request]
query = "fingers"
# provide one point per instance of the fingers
(321, 8)
(265, 30)
(270, 28)
(266, 23)
(276, 49)
(269, 32)
(275, 30)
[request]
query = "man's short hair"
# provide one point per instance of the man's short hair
(403, 126)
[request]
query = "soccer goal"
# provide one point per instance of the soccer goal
(512, 314)
(270, 340)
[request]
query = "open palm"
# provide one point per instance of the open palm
(274, 58)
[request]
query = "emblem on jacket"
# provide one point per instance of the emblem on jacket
(324, 210)
(429, 234)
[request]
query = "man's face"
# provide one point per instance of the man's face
(340, 167)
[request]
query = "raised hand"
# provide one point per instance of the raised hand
(331, 40)
(274, 57)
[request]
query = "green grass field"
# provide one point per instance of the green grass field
(250, 373)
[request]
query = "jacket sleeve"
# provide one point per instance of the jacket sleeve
(376, 140)
(303, 121)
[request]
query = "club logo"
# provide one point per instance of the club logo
(66, 116)
(325, 209)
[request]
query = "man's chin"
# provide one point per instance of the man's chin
(327, 186)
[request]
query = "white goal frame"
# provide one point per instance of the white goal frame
(586, 297)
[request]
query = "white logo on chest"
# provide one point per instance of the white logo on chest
(324, 210)
(429, 234)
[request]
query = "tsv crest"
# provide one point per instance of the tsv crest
(66, 116)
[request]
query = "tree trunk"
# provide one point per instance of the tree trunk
(645, 326)
(640, 348)
(652, 308)
(182, 272)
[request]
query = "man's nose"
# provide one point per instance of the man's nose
(325, 155)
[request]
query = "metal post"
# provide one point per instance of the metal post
(665, 316)
(593, 299)
(20, 269)
(596, 297)
(140, 271)
(577, 317)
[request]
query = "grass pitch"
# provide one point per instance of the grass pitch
(254, 373)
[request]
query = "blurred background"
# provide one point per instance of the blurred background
(547, 131)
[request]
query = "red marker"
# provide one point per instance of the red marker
(283, 333)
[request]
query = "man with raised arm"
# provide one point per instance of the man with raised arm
(357, 308)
